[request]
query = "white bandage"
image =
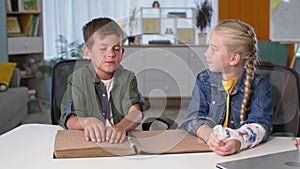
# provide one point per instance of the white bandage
(249, 135)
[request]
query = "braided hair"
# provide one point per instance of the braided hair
(241, 39)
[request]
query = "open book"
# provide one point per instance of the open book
(72, 144)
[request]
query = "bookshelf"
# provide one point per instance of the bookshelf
(24, 41)
(174, 24)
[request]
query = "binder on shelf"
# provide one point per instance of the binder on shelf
(72, 144)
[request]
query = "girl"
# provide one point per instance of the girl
(231, 106)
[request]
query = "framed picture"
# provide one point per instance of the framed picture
(186, 35)
(151, 25)
(29, 5)
(12, 25)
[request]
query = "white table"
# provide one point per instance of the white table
(31, 146)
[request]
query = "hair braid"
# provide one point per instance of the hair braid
(249, 64)
(250, 69)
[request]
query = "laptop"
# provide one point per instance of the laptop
(284, 160)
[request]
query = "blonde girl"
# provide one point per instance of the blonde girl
(231, 106)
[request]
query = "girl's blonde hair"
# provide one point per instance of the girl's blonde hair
(241, 39)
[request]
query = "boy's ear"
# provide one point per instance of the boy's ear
(235, 59)
(86, 52)
(123, 50)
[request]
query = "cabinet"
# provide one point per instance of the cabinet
(24, 41)
(176, 25)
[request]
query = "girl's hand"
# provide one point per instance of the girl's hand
(230, 147)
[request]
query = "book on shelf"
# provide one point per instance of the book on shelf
(25, 21)
(29, 26)
(8, 6)
(36, 28)
(34, 24)
(14, 5)
(72, 144)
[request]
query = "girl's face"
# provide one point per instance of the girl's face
(216, 55)
(106, 55)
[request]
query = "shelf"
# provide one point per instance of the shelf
(157, 22)
(27, 76)
(24, 40)
(20, 13)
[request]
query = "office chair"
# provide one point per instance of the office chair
(285, 97)
(60, 73)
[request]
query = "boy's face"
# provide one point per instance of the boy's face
(105, 54)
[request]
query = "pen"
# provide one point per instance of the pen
(295, 141)
(133, 142)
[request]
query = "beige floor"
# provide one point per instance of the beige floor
(35, 116)
(175, 113)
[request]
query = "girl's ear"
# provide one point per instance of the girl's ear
(235, 59)
(86, 52)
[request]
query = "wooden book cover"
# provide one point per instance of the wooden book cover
(169, 142)
(72, 144)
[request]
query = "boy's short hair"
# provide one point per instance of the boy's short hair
(103, 27)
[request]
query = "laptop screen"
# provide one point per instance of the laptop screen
(283, 160)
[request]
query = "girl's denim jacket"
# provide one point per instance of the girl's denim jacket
(208, 103)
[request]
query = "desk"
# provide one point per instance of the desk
(31, 146)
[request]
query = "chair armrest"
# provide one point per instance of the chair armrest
(169, 122)
(16, 78)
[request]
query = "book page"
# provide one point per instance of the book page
(169, 142)
(72, 144)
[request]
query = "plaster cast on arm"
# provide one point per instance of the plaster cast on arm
(249, 135)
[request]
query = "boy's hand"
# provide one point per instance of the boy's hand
(115, 134)
(94, 129)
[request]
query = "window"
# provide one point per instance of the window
(68, 16)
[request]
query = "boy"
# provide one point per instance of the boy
(102, 98)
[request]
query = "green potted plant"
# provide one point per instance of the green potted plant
(65, 50)
(203, 18)
(132, 24)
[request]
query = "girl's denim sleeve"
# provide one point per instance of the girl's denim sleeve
(198, 108)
